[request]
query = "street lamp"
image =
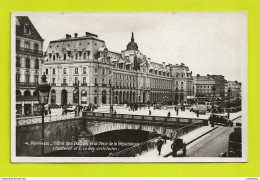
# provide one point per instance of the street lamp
(43, 97)
(229, 91)
(77, 91)
(213, 89)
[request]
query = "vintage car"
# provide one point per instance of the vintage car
(201, 109)
(220, 119)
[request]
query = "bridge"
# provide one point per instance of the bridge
(68, 128)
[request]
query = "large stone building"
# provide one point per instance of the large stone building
(29, 59)
(104, 76)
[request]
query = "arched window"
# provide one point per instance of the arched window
(18, 93)
(35, 93)
(53, 71)
(104, 97)
(53, 96)
(75, 96)
(83, 97)
(27, 93)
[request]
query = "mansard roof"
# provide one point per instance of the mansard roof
(21, 23)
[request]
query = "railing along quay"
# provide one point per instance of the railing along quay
(151, 144)
(38, 119)
(142, 117)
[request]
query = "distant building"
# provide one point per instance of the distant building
(29, 59)
(106, 76)
(235, 88)
(220, 85)
(202, 86)
(182, 78)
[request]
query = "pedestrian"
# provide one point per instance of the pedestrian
(150, 112)
(164, 137)
(169, 114)
(177, 111)
(159, 144)
(174, 148)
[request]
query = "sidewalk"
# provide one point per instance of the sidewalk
(166, 148)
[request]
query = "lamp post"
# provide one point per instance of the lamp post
(43, 97)
(229, 91)
(77, 91)
(110, 100)
(213, 89)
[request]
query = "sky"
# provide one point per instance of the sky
(207, 42)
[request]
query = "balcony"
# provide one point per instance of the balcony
(53, 84)
(26, 84)
(29, 51)
(84, 84)
(64, 84)
(75, 84)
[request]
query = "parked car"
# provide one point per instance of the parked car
(220, 119)
(201, 109)
(71, 108)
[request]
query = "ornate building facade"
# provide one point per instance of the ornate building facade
(235, 88)
(202, 85)
(29, 60)
(105, 76)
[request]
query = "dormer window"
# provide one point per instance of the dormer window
(27, 29)
(64, 56)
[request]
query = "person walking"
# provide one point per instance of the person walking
(169, 114)
(177, 111)
(150, 112)
(159, 144)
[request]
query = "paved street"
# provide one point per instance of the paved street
(212, 144)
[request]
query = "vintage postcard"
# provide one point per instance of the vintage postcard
(129, 87)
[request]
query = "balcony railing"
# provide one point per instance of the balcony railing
(84, 84)
(30, 51)
(26, 84)
(64, 84)
(53, 84)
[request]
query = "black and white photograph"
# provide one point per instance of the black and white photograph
(129, 87)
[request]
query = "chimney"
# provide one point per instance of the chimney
(68, 36)
(149, 60)
(76, 35)
(163, 63)
(90, 34)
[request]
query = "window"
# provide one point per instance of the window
(27, 45)
(85, 55)
(84, 70)
(64, 80)
(18, 61)
(27, 29)
(64, 56)
(76, 80)
(27, 63)
(17, 42)
(64, 71)
(36, 77)
(53, 57)
(36, 47)
(49, 56)
(76, 56)
(46, 71)
(53, 71)
(36, 64)
(17, 77)
(76, 70)
(53, 80)
(27, 78)
(84, 80)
